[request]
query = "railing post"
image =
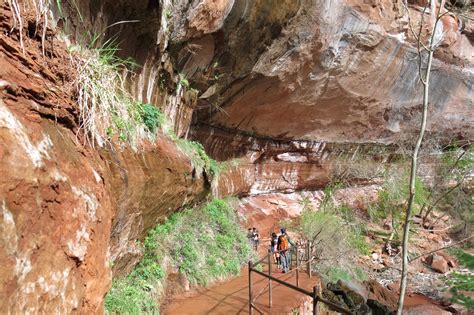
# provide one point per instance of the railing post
(297, 269)
(315, 300)
(270, 302)
(250, 288)
(308, 253)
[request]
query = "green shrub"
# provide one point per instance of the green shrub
(100, 93)
(458, 282)
(150, 115)
(394, 194)
(336, 273)
(198, 155)
(135, 294)
(358, 241)
(127, 298)
(461, 282)
(219, 238)
(465, 259)
(183, 81)
(336, 243)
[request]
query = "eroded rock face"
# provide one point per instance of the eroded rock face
(336, 72)
(262, 165)
(311, 70)
(68, 211)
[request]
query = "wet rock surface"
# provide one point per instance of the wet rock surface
(329, 75)
(316, 70)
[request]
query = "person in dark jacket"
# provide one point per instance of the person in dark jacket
(274, 250)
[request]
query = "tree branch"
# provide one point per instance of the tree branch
(439, 249)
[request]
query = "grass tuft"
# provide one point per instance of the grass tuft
(106, 108)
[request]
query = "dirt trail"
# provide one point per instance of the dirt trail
(232, 297)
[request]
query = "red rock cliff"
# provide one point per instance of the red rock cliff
(286, 79)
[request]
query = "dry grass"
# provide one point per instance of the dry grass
(105, 105)
(41, 9)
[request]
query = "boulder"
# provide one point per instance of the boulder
(458, 309)
(334, 298)
(382, 294)
(348, 286)
(394, 286)
(336, 288)
(451, 261)
(439, 264)
(378, 308)
(356, 303)
(348, 294)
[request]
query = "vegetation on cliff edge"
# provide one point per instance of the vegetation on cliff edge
(204, 244)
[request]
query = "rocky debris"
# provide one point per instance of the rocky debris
(440, 262)
(333, 297)
(381, 294)
(378, 308)
(452, 263)
(353, 297)
(458, 309)
(394, 286)
(377, 261)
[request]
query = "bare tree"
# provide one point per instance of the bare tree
(426, 45)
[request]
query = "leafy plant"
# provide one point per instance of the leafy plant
(106, 108)
(465, 259)
(135, 294)
(183, 81)
(458, 283)
(335, 243)
(151, 116)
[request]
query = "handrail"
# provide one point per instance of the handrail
(258, 262)
(315, 294)
(291, 286)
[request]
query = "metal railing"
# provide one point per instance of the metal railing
(300, 262)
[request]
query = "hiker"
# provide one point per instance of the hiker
(250, 237)
(283, 247)
(274, 249)
(256, 238)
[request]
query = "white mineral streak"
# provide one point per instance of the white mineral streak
(36, 152)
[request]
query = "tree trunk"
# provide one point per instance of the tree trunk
(411, 198)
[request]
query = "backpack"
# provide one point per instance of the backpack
(283, 242)
(274, 241)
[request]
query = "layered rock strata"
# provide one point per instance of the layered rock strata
(70, 211)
